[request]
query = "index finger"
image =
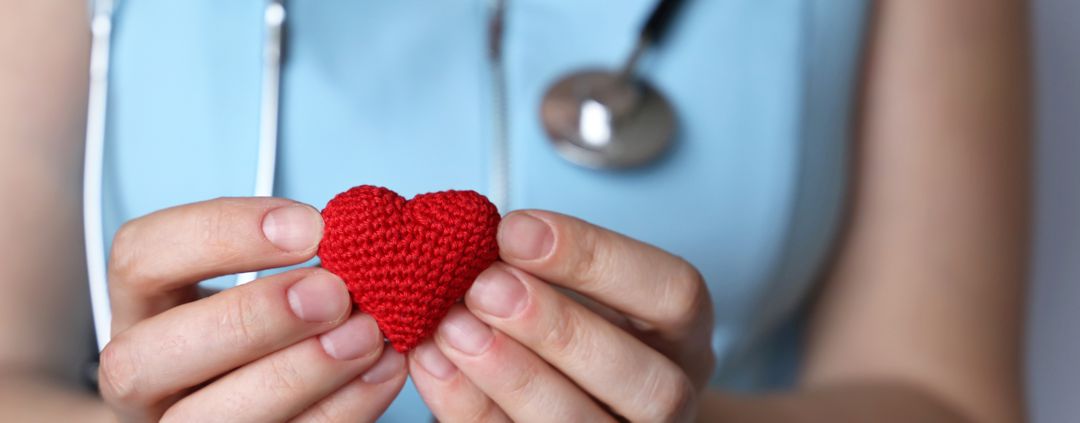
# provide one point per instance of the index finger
(157, 259)
(657, 290)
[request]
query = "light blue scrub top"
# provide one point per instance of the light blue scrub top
(398, 93)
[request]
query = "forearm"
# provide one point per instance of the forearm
(881, 403)
(927, 286)
(30, 397)
(44, 312)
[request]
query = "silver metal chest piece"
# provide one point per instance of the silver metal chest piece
(598, 119)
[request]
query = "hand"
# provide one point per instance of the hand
(278, 348)
(636, 345)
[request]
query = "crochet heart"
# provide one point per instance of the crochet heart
(407, 262)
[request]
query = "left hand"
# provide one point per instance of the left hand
(634, 342)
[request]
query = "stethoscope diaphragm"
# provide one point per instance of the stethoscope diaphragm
(595, 119)
(612, 119)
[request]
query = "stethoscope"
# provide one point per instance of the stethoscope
(599, 119)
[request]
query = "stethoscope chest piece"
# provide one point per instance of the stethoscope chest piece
(600, 119)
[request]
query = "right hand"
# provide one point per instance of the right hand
(283, 347)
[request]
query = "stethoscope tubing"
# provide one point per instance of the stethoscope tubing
(274, 18)
(93, 228)
(103, 14)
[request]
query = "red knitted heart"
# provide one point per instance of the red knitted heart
(407, 262)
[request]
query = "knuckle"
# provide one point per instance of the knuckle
(215, 225)
(519, 384)
(667, 396)
(240, 322)
(118, 375)
(123, 266)
(486, 412)
(321, 414)
(589, 263)
(284, 379)
(562, 333)
(683, 296)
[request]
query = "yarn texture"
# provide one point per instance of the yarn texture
(406, 262)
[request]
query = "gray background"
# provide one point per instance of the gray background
(1053, 357)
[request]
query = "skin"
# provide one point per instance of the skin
(278, 348)
(918, 320)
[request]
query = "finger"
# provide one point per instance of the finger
(619, 370)
(659, 291)
(363, 399)
(449, 394)
(285, 383)
(519, 382)
(157, 259)
(195, 342)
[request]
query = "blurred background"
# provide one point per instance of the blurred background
(1054, 326)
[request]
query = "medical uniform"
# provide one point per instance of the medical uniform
(400, 94)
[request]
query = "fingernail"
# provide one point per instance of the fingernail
(357, 337)
(465, 333)
(525, 237)
(320, 297)
(498, 293)
(293, 228)
(428, 356)
(389, 365)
